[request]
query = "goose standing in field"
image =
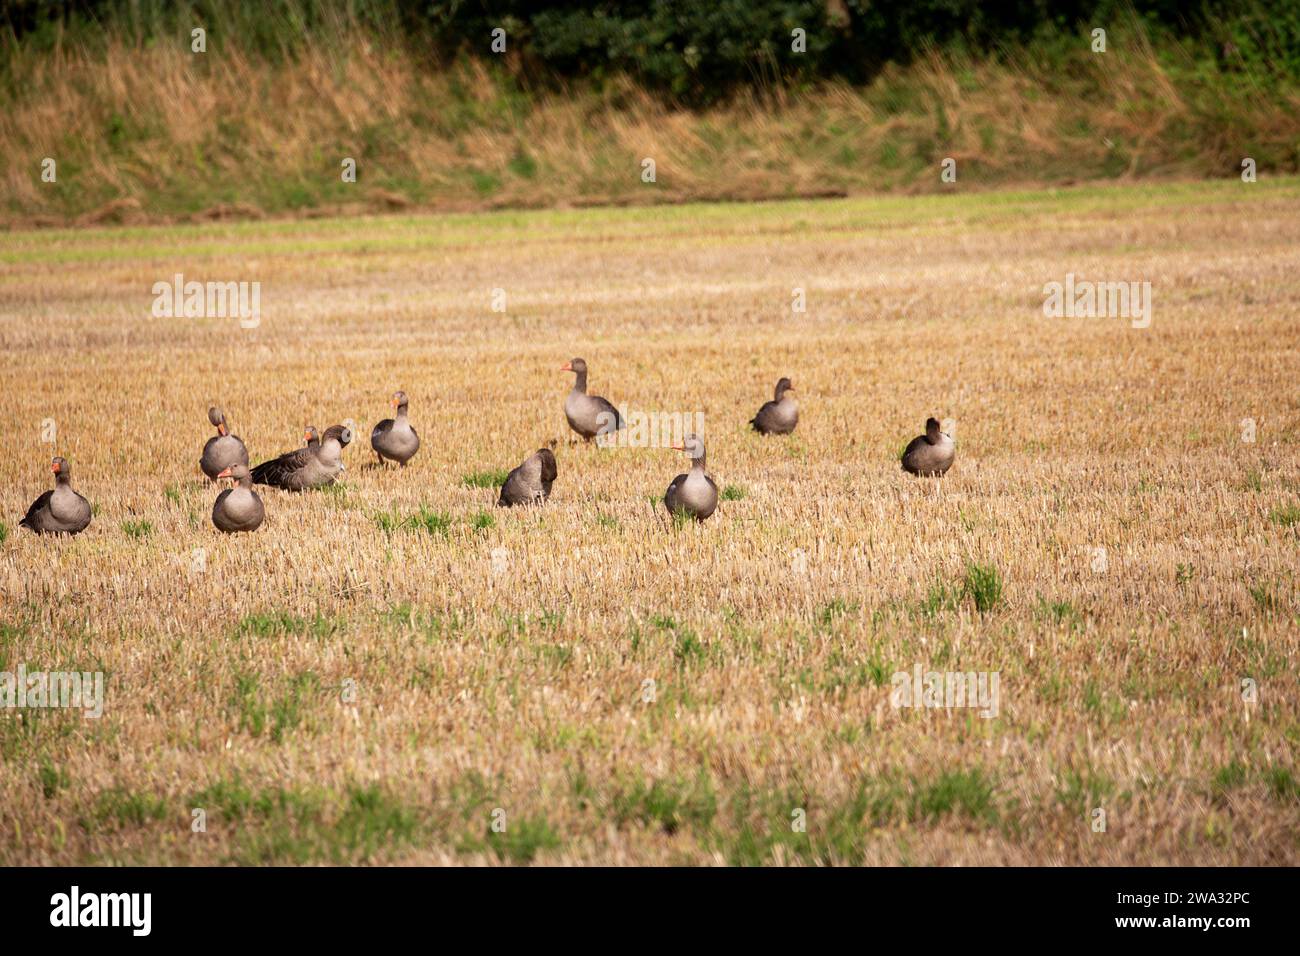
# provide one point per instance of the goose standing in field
(530, 483)
(394, 439)
(779, 416)
(930, 454)
(693, 493)
(588, 415)
(238, 508)
(223, 449)
(307, 467)
(61, 511)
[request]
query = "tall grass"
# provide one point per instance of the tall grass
(261, 123)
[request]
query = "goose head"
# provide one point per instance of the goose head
(932, 433)
(693, 445)
(218, 418)
(399, 400)
(61, 469)
(783, 386)
(239, 473)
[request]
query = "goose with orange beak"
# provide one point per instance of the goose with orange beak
(223, 449)
(394, 439)
(309, 467)
(589, 415)
(239, 508)
(61, 511)
(693, 494)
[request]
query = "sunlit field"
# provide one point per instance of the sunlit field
(394, 670)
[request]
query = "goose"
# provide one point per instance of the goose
(693, 493)
(238, 508)
(307, 467)
(223, 449)
(530, 483)
(779, 416)
(931, 453)
(394, 439)
(61, 511)
(588, 415)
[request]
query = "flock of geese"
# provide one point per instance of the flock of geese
(239, 508)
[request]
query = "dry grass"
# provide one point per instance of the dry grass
(161, 134)
(522, 690)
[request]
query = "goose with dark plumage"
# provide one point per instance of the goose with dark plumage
(60, 511)
(309, 467)
(931, 454)
(530, 483)
(223, 449)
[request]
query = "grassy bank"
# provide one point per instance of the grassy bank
(152, 131)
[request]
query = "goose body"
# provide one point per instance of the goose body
(930, 454)
(60, 511)
(694, 492)
(588, 415)
(530, 483)
(394, 439)
(779, 416)
(309, 467)
(223, 450)
(239, 508)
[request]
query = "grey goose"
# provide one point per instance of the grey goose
(530, 483)
(238, 508)
(309, 467)
(222, 449)
(394, 439)
(588, 415)
(930, 454)
(694, 493)
(61, 511)
(779, 416)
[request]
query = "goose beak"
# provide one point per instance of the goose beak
(566, 367)
(393, 403)
(678, 447)
(54, 467)
(224, 473)
(221, 429)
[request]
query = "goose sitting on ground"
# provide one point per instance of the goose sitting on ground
(530, 483)
(223, 449)
(394, 439)
(588, 415)
(61, 511)
(693, 493)
(306, 467)
(931, 453)
(238, 508)
(779, 416)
